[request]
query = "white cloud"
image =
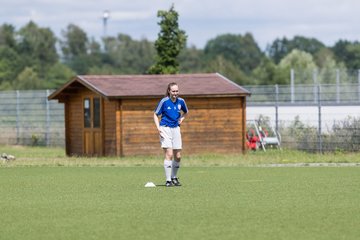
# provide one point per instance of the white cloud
(326, 20)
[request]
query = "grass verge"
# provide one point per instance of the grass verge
(43, 156)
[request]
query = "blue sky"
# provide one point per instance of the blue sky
(325, 20)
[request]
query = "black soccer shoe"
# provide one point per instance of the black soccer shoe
(169, 184)
(175, 182)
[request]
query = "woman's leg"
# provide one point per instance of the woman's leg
(169, 154)
(175, 167)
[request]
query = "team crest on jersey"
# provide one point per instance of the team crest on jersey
(179, 106)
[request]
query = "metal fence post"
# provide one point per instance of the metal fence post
(359, 84)
(17, 117)
(337, 85)
(47, 134)
(315, 84)
(319, 120)
(292, 85)
(277, 108)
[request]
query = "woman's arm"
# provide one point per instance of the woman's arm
(156, 121)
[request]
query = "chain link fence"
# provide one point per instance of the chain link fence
(316, 118)
(28, 118)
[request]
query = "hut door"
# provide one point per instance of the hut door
(92, 127)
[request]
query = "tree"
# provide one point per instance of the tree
(282, 47)
(278, 49)
(303, 64)
(10, 61)
(228, 69)
(74, 46)
(328, 67)
(264, 73)
(348, 52)
(57, 75)
(75, 42)
(37, 47)
(322, 56)
(128, 56)
(27, 79)
(171, 40)
(242, 51)
(7, 36)
(192, 60)
(9, 64)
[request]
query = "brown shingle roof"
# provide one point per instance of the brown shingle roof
(128, 86)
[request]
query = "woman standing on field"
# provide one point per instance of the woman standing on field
(172, 110)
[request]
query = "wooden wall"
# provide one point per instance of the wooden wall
(213, 125)
(138, 132)
(109, 127)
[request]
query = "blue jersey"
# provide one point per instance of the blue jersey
(170, 111)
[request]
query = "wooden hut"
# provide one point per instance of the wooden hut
(112, 115)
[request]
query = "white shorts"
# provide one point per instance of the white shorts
(170, 137)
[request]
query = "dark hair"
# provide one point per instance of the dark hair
(167, 94)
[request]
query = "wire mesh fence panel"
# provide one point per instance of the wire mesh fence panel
(308, 117)
(28, 118)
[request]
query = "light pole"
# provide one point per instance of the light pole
(106, 15)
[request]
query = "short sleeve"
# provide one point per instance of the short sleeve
(184, 107)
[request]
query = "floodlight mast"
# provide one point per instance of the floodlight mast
(106, 16)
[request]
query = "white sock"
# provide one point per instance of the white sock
(167, 167)
(175, 168)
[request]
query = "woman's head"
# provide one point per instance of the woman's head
(172, 90)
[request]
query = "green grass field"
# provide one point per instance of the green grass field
(111, 202)
(46, 195)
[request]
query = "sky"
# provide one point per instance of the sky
(326, 20)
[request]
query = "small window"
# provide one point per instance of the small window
(96, 107)
(87, 113)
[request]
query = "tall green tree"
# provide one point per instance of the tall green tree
(171, 40)
(264, 73)
(303, 64)
(10, 61)
(9, 64)
(282, 47)
(128, 56)
(74, 45)
(192, 60)
(28, 79)
(327, 74)
(228, 69)
(242, 51)
(348, 52)
(7, 36)
(37, 47)
(57, 75)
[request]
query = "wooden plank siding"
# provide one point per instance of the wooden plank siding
(109, 127)
(213, 125)
(139, 134)
(75, 119)
(118, 116)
